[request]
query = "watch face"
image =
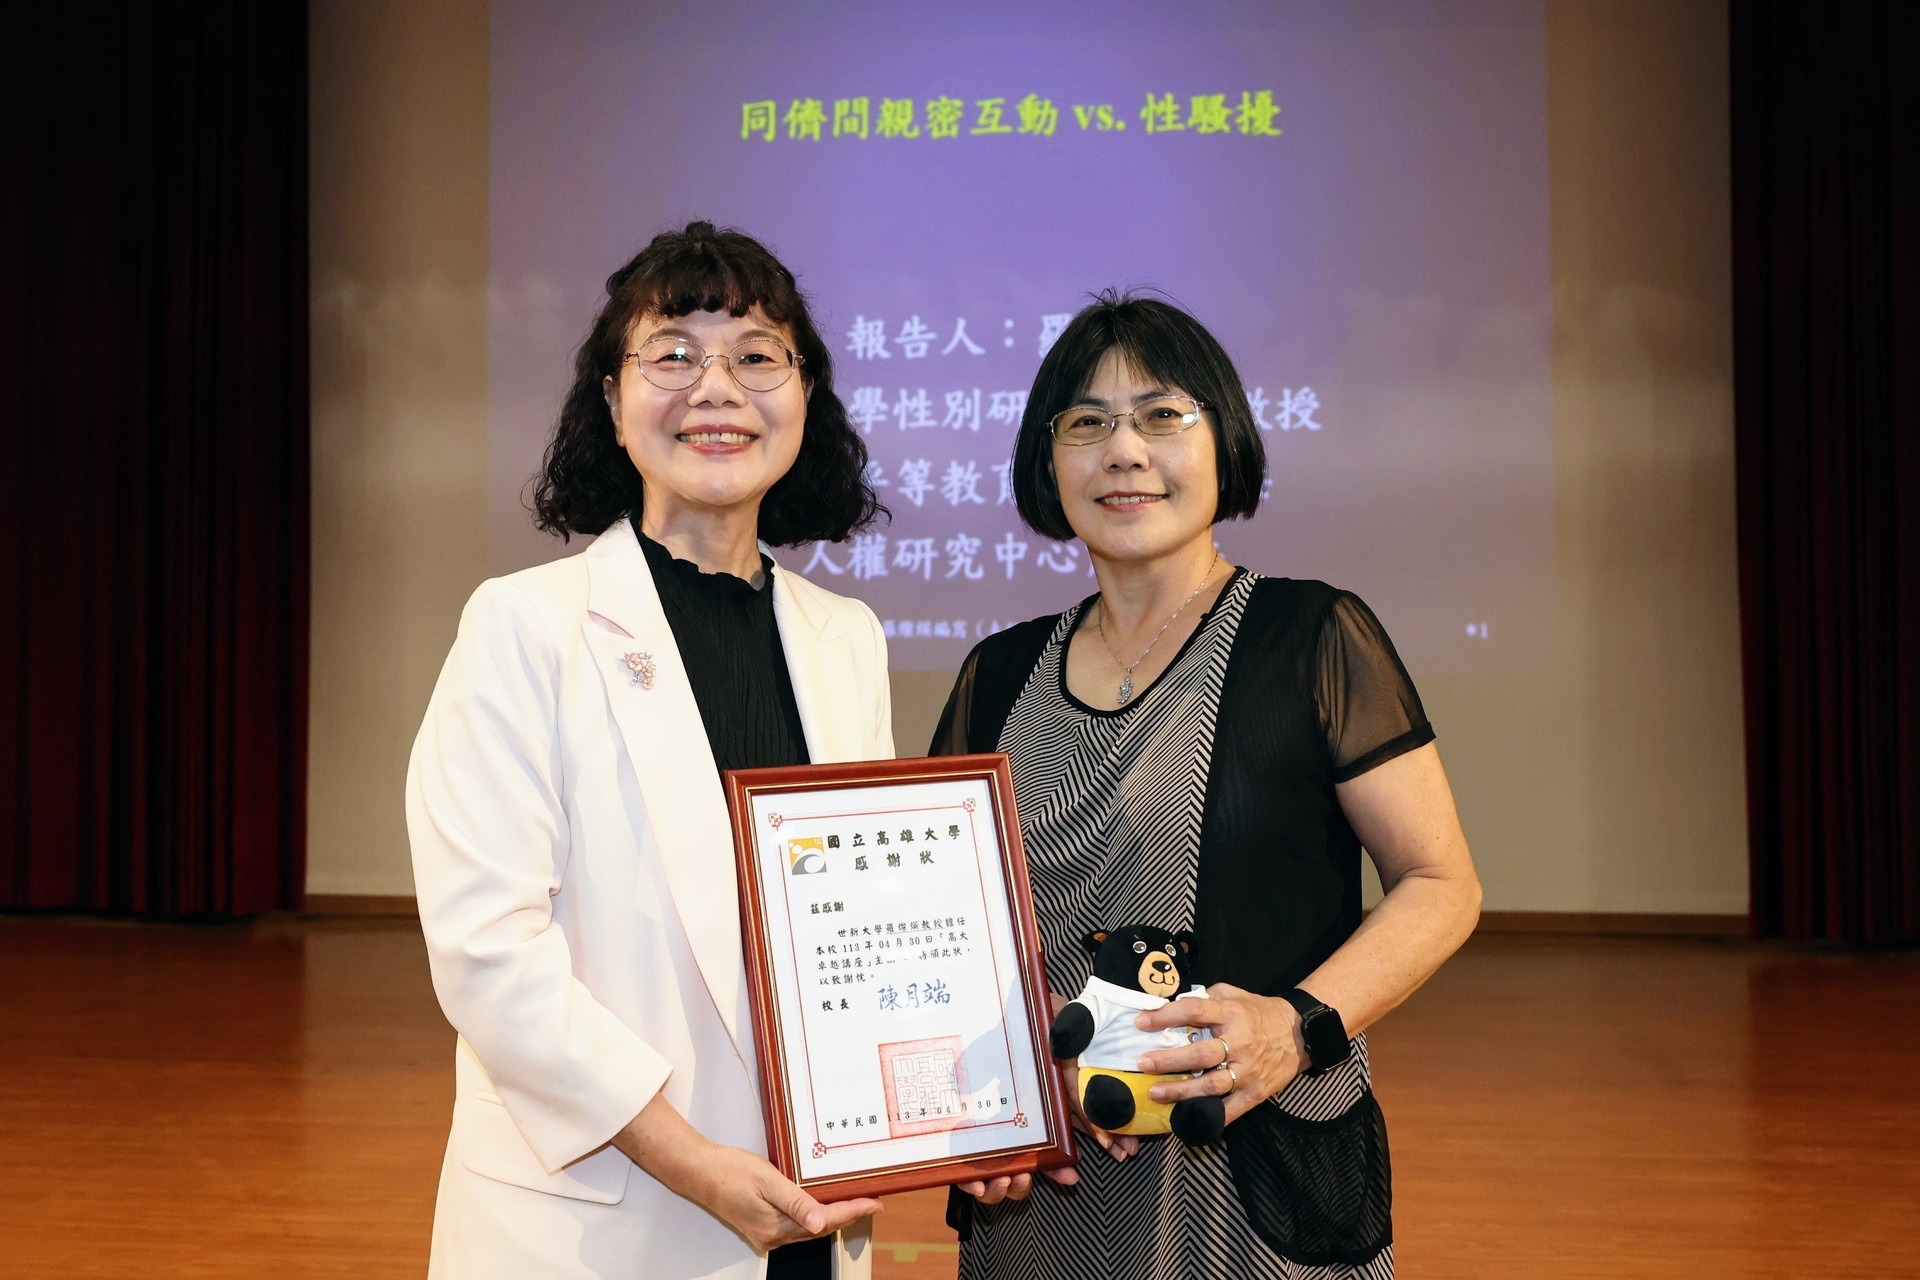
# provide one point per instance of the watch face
(1326, 1038)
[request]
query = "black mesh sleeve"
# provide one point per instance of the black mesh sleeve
(951, 736)
(1367, 703)
(989, 684)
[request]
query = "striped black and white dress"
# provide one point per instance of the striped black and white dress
(1111, 807)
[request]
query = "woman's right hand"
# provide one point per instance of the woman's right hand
(752, 1197)
(733, 1184)
(1117, 1145)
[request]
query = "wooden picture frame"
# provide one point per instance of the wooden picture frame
(899, 1002)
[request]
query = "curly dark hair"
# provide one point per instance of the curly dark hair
(1166, 344)
(588, 482)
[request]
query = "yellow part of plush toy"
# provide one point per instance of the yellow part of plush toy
(1149, 1117)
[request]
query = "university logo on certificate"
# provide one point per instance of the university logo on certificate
(900, 1008)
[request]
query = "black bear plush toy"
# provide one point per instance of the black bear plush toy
(1135, 968)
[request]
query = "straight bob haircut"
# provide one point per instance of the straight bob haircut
(1171, 347)
(588, 482)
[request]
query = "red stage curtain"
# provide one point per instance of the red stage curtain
(1827, 369)
(153, 470)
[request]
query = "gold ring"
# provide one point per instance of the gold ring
(1232, 1075)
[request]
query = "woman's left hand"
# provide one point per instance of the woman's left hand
(1255, 1052)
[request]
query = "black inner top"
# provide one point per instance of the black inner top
(731, 647)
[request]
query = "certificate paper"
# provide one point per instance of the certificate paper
(900, 1009)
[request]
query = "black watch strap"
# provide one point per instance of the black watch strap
(1321, 1027)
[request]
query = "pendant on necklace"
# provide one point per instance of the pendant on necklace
(1126, 690)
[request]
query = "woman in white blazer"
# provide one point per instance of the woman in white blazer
(571, 846)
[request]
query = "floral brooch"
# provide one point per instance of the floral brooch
(639, 668)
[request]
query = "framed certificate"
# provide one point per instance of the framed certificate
(900, 1009)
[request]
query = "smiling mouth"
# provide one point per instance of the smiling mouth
(714, 437)
(1129, 499)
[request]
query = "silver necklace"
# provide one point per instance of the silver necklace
(1125, 693)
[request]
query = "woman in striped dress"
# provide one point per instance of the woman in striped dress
(1201, 747)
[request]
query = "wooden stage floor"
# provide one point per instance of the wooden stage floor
(271, 1099)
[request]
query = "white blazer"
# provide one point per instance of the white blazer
(573, 861)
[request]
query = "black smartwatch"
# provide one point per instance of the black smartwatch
(1322, 1029)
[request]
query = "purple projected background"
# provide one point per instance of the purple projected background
(1373, 253)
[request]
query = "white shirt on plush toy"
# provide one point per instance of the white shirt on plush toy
(1117, 1044)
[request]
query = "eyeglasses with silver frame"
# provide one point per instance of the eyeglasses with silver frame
(1161, 416)
(674, 364)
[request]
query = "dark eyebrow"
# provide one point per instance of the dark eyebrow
(675, 331)
(1092, 402)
